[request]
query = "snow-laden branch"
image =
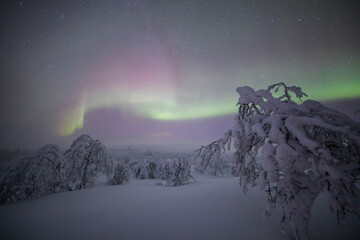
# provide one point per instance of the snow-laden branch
(294, 152)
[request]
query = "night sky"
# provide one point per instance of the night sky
(163, 72)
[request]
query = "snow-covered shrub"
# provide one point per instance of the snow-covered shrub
(144, 170)
(33, 176)
(175, 172)
(121, 174)
(49, 171)
(294, 152)
(86, 158)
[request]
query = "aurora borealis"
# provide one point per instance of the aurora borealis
(159, 72)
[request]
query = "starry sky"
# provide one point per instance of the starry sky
(164, 72)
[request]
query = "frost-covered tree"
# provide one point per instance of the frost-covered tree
(34, 176)
(86, 158)
(176, 171)
(144, 170)
(163, 170)
(294, 152)
(50, 171)
(47, 171)
(179, 172)
(121, 174)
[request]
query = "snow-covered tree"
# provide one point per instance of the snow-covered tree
(50, 171)
(294, 152)
(47, 171)
(121, 174)
(86, 158)
(13, 186)
(34, 176)
(176, 171)
(144, 170)
(163, 170)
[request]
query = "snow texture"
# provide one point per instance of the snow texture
(213, 208)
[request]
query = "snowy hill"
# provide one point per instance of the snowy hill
(211, 208)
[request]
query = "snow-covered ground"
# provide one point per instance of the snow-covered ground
(211, 208)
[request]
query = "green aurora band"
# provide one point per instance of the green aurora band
(337, 84)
